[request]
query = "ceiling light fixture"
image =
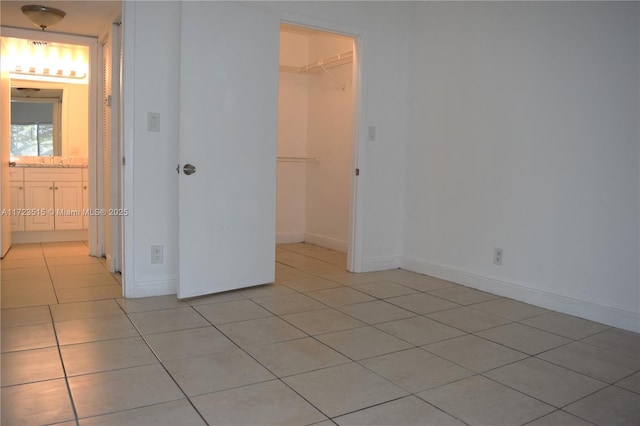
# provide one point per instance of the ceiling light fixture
(43, 16)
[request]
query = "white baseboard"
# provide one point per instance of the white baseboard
(380, 263)
(29, 237)
(147, 286)
(592, 311)
(289, 237)
(327, 242)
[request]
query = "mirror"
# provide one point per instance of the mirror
(64, 130)
(36, 121)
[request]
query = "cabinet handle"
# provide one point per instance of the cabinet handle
(56, 188)
(20, 188)
(84, 187)
(51, 187)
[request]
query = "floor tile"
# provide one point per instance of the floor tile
(167, 320)
(593, 361)
(475, 353)
(384, 289)
(94, 329)
(344, 388)
(565, 325)
(16, 253)
(232, 311)
(28, 337)
(422, 303)
(72, 260)
(82, 269)
(289, 304)
(311, 284)
(272, 403)
(296, 356)
(352, 279)
(480, 401)
(25, 316)
(25, 273)
(617, 340)
(463, 295)
(631, 383)
(287, 273)
(363, 342)
(217, 371)
(64, 251)
(225, 296)
(179, 412)
(69, 282)
(267, 290)
(322, 321)
(376, 312)
(523, 338)
(260, 331)
(415, 370)
(611, 407)
(545, 381)
(559, 418)
(409, 411)
(156, 303)
(36, 404)
(119, 390)
(340, 296)
(94, 357)
(78, 310)
(468, 319)
(33, 365)
(68, 295)
(188, 343)
(26, 293)
(22, 263)
(511, 309)
(420, 330)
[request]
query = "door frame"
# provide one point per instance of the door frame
(96, 243)
(355, 237)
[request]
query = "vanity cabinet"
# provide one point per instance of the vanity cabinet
(56, 195)
(17, 202)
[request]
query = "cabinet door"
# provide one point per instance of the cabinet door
(68, 202)
(17, 202)
(38, 196)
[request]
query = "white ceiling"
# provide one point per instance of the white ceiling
(89, 18)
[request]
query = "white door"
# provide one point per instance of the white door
(5, 153)
(228, 108)
(68, 198)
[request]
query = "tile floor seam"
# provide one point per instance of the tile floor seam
(166, 371)
(64, 369)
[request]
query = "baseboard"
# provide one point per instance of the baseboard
(568, 305)
(380, 263)
(289, 237)
(327, 242)
(147, 286)
(30, 237)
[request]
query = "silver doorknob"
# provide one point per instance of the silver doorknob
(189, 169)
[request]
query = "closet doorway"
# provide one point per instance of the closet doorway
(316, 118)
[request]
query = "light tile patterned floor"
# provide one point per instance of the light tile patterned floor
(319, 346)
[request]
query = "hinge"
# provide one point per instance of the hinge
(357, 172)
(178, 169)
(108, 100)
(123, 160)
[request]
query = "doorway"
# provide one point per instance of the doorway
(316, 118)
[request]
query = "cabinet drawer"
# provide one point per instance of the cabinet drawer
(16, 174)
(59, 175)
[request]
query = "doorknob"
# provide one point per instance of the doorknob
(189, 169)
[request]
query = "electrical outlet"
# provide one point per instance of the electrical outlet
(497, 256)
(157, 255)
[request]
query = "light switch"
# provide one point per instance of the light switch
(153, 121)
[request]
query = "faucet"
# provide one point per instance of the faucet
(51, 159)
(62, 161)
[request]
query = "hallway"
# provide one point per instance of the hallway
(319, 346)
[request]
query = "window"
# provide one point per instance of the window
(35, 124)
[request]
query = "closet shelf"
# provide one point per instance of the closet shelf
(298, 160)
(323, 64)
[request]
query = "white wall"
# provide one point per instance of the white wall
(151, 66)
(293, 99)
(330, 139)
(524, 135)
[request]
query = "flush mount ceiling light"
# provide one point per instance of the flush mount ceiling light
(43, 16)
